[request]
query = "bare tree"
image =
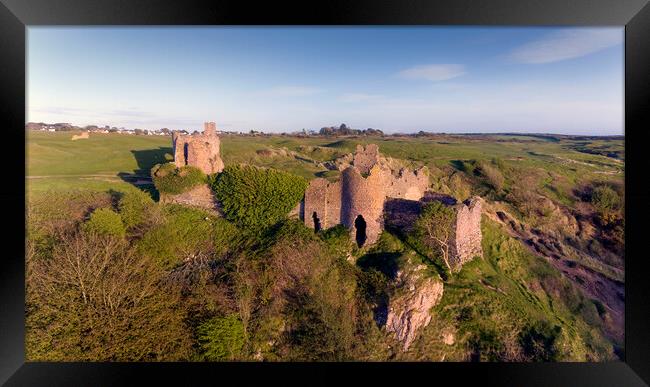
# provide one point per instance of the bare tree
(92, 299)
(434, 228)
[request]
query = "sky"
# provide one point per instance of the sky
(283, 79)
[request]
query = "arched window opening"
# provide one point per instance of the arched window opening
(360, 226)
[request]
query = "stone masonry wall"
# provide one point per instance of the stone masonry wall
(199, 150)
(467, 235)
(363, 197)
(200, 196)
(366, 158)
(362, 191)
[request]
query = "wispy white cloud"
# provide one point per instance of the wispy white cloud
(288, 91)
(360, 97)
(433, 72)
(567, 44)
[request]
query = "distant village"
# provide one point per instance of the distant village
(342, 129)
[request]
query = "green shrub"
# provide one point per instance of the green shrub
(607, 202)
(540, 341)
(172, 180)
(184, 233)
(221, 338)
(133, 206)
(338, 239)
(253, 197)
(105, 221)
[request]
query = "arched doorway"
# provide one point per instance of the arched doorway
(316, 222)
(360, 226)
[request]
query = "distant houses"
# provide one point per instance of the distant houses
(64, 127)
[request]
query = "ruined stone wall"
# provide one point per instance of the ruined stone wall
(366, 158)
(316, 202)
(199, 150)
(200, 196)
(467, 234)
(81, 136)
(364, 186)
(407, 184)
(365, 197)
(324, 199)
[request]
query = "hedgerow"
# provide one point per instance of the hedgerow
(253, 197)
(172, 180)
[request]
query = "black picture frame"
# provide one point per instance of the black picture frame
(17, 15)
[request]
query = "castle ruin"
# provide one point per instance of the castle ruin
(200, 150)
(357, 199)
(373, 192)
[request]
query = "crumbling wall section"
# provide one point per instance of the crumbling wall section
(408, 184)
(365, 158)
(200, 196)
(199, 150)
(467, 235)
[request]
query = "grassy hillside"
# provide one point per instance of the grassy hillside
(549, 287)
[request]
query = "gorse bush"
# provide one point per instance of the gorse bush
(221, 338)
(607, 202)
(133, 206)
(253, 197)
(172, 180)
(104, 221)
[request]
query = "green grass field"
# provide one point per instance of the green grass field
(54, 161)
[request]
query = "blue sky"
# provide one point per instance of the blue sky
(440, 79)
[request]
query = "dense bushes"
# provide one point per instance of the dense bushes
(221, 338)
(254, 197)
(539, 342)
(172, 180)
(93, 299)
(105, 221)
(607, 202)
(184, 234)
(191, 286)
(134, 207)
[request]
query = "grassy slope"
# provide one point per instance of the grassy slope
(501, 294)
(503, 291)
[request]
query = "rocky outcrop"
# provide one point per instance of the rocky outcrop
(409, 309)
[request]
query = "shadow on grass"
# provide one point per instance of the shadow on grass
(146, 159)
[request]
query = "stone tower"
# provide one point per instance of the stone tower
(199, 150)
(357, 199)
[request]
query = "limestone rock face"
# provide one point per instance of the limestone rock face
(408, 310)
